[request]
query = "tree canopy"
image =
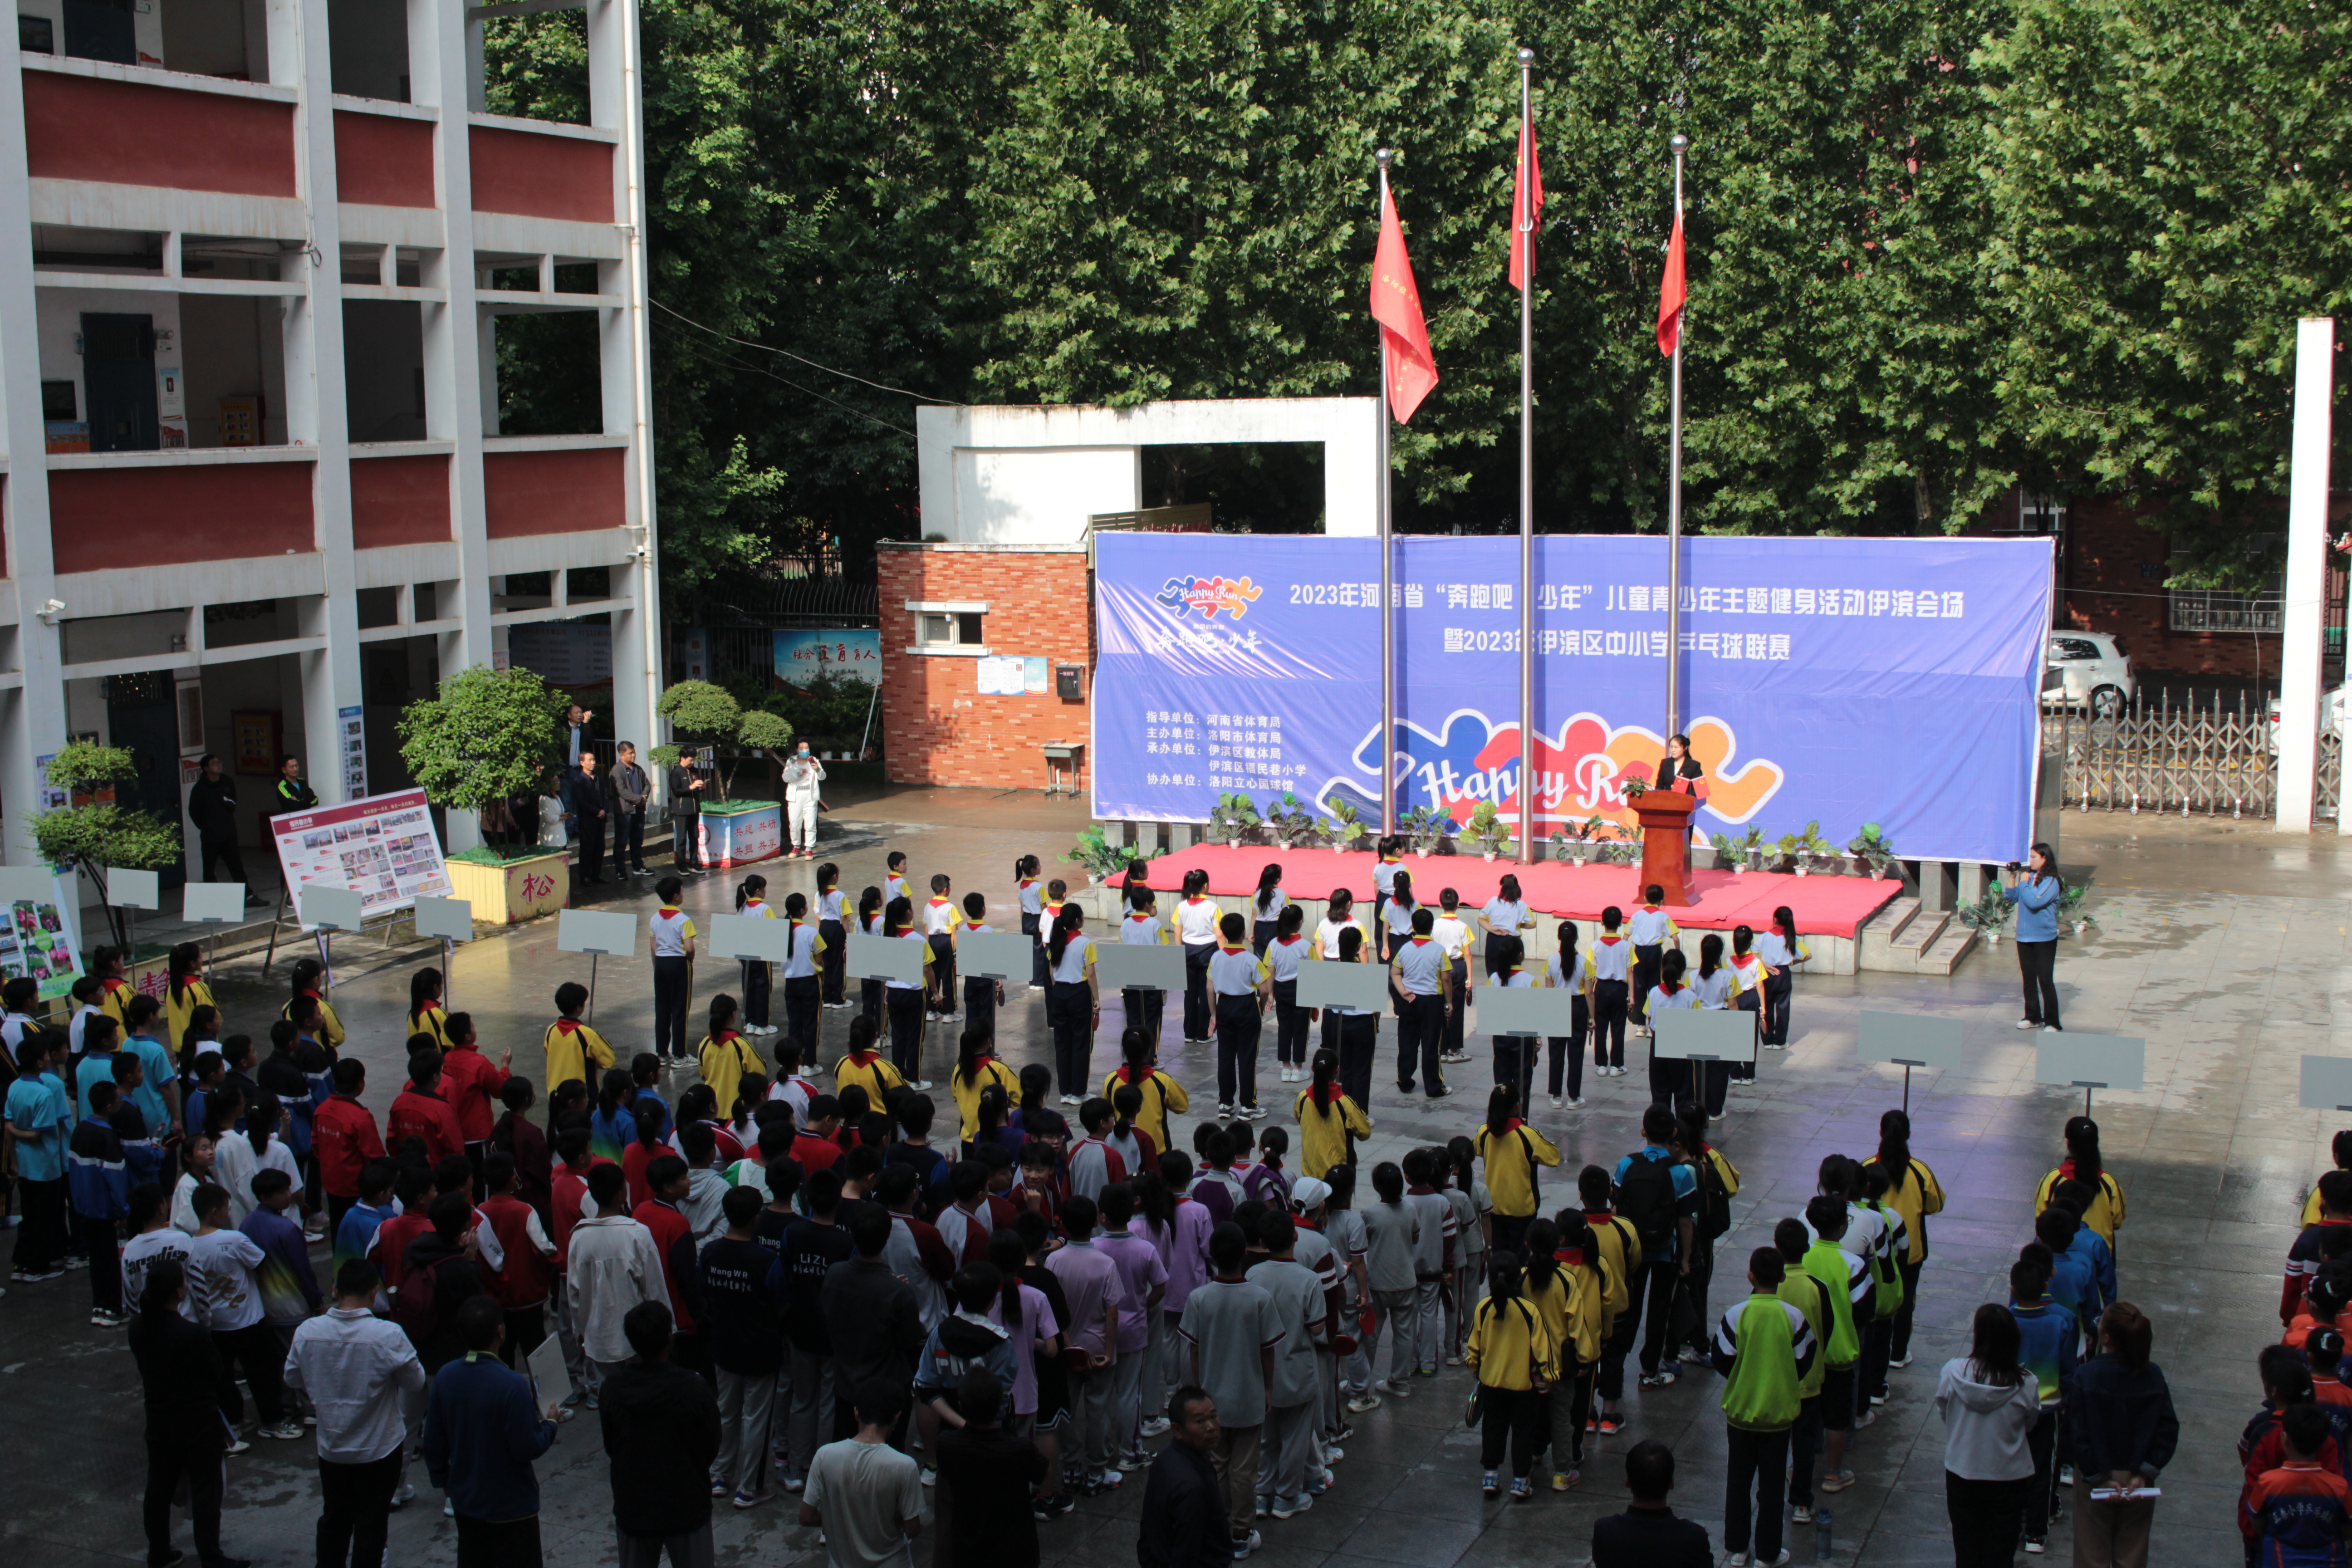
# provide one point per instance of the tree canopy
(1938, 249)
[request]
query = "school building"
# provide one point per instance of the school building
(255, 258)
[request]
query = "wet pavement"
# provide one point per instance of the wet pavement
(2222, 944)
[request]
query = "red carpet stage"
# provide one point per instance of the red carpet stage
(1824, 905)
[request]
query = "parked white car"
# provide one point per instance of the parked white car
(2088, 669)
(2332, 713)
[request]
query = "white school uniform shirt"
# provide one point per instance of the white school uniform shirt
(1076, 954)
(803, 944)
(941, 917)
(894, 886)
(1573, 980)
(1283, 954)
(1452, 934)
(1420, 967)
(1195, 921)
(1683, 1000)
(671, 928)
(828, 906)
(1235, 971)
(1865, 1229)
(82, 1014)
(914, 935)
(1273, 910)
(1140, 929)
(1032, 896)
(1650, 928)
(1612, 958)
(1327, 934)
(1775, 949)
(1503, 916)
(1399, 917)
(1385, 875)
(1747, 972)
(1714, 991)
(12, 1029)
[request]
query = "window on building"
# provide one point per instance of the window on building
(2217, 610)
(949, 629)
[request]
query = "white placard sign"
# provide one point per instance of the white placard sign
(1529, 1010)
(1119, 966)
(380, 847)
(129, 889)
(1008, 955)
(1704, 1034)
(212, 903)
(329, 908)
(2090, 1062)
(884, 958)
(1909, 1040)
(1364, 986)
(25, 884)
(750, 939)
(446, 919)
(599, 932)
(2326, 1083)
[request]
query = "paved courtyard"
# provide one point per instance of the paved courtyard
(2222, 944)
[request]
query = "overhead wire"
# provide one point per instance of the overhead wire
(803, 359)
(712, 357)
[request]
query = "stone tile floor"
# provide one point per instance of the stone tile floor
(2222, 944)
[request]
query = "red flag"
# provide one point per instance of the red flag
(1396, 306)
(1670, 294)
(1524, 213)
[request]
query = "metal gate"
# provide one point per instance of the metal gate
(2217, 759)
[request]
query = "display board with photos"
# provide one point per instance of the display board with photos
(380, 847)
(37, 940)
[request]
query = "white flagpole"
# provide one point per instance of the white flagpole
(1680, 145)
(1388, 630)
(1526, 460)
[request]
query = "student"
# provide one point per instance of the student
(574, 1050)
(1781, 949)
(759, 975)
(1847, 1277)
(2047, 1336)
(1989, 1403)
(1436, 1246)
(1091, 1164)
(833, 930)
(2106, 1213)
(893, 878)
(2301, 1510)
(1657, 1194)
(1330, 1119)
(965, 1340)
(1230, 1331)
(307, 975)
(905, 998)
(471, 1084)
(673, 952)
(1749, 974)
(422, 1111)
(941, 920)
(871, 921)
(1032, 900)
(1451, 933)
(1562, 1282)
(724, 1055)
(153, 1240)
(1650, 930)
(2339, 1149)
(1669, 1079)
(1505, 914)
(1178, 1225)
(983, 994)
(1161, 1093)
(1717, 1181)
(185, 991)
(1352, 1034)
(1801, 1290)
(862, 1066)
(1515, 1358)
(1610, 975)
(1391, 1238)
(1140, 927)
(986, 1473)
(1386, 870)
(1143, 1286)
(1284, 951)
(1514, 1055)
(1073, 1001)
(867, 1495)
(98, 1179)
(1197, 923)
(1420, 977)
(241, 1155)
(39, 1119)
(1569, 970)
(1338, 914)
(1511, 1151)
(227, 1259)
(1091, 1281)
(1242, 985)
(1620, 1248)
(1913, 1192)
(1763, 1347)
(745, 1334)
(1716, 987)
(2120, 1426)
(1647, 1534)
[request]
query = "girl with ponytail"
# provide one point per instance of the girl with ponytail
(1780, 947)
(759, 975)
(1158, 1093)
(2106, 1213)
(869, 921)
(1351, 1033)
(187, 991)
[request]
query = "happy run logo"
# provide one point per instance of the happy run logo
(1209, 595)
(1580, 775)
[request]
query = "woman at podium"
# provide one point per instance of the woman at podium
(1681, 771)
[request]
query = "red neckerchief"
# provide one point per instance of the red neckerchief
(668, 910)
(307, 991)
(1671, 990)
(1652, 908)
(568, 1025)
(1611, 938)
(1293, 940)
(1573, 1257)
(427, 1006)
(1239, 948)
(1420, 940)
(724, 1037)
(1127, 1073)
(865, 1058)
(755, 903)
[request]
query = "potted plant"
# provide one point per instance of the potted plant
(1819, 851)
(1102, 859)
(1751, 849)
(1341, 827)
(1487, 827)
(1727, 853)
(94, 835)
(1423, 828)
(1232, 816)
(1292, 819)
(1987, 916)
(1870, 850)
(2071, 912)
(487, 736)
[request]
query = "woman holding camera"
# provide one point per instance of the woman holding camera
(2036, 891)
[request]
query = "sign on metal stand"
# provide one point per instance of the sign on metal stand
(132, 891)
(599, 933)
(2090, 1062)
(1012, 955)
(212, 905)
(1909, 1040)
(2326, 1083)
(1119, 967)
(448, 921)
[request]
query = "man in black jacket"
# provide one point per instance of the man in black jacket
(212, 806)
(872, 1315)
(584, 803)
(179, 1374)
(1648, 1535)
(1185, 1521)
(661, 1434)
(628, 787)
(685, 814)
(291, 793)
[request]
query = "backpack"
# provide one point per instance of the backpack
(412, 1303)
(1646, 1200)
(1714, 1200)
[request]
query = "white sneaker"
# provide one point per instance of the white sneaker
(921, 1084)
(1577, 1104)
(2052, 1029)
(2027, 1023)
(1556, 1102)
(1155, 1427)
(1736, 1559)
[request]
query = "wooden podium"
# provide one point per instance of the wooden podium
(1665, 819)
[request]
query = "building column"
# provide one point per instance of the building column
(33, 720)
(2306, 576)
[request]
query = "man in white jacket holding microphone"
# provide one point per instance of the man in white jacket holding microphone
(803, 777)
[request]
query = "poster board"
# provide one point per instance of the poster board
(446, 919)
(1363, 987)
(212, 903)
(2090, 1062)
(39, 934)
(2326, 1083)
(1707, 1035)
(1529, 1010)
(380, 847)
(751, 939)
(606, 932)
(1910, 1039)
(884, 958)
(1119, 966)
(130, 890)
(323, 907)
(1004, 955)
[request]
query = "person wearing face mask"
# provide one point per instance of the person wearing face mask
(804, 777)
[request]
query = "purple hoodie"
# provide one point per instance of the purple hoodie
(1184, 1251)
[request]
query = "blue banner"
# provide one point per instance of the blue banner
(1831, 681)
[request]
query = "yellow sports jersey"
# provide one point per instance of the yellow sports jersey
(2107, 1216)
(1323, 1131)
(1571, 1305)
(967, 1093)
(1162, 1094)
(178, 1010)
(1510, 1159)
(1508, 1346)
(870, 1072)
(725, 1059)
(1919, 1195)
(574, 1050)
(331, 1027)
(431, 1020)
(1620, 1251)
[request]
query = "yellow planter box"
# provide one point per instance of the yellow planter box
(518, 890)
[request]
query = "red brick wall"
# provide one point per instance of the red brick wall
(2115, 575)
(936, 729)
